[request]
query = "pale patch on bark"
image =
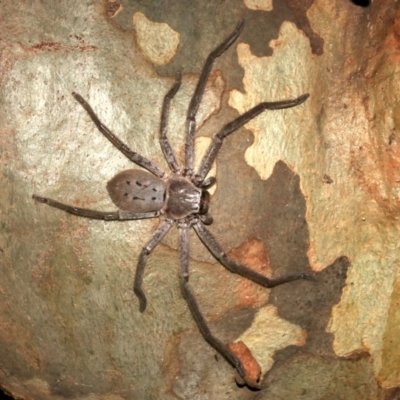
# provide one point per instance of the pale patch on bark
(157, 41)
(269, 333)
(264, 5)
(342, 130)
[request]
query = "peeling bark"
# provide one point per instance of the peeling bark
(314, 188)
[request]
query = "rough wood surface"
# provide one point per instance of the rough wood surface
(310, 188)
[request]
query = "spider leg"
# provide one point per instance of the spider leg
(147, 249)
(93, 214)
(198, 94)
(194, 308)
(165, 146)
(121, 146)
(208, 239)
(230, 127)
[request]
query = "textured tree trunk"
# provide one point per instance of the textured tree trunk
(315, 188)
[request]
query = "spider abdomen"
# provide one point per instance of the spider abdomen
(137, 191)
(183, 198)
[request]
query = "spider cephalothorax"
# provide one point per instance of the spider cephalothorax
(180, 197)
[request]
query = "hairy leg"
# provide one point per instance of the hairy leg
(147, 249)
(165, 146)
(121, 146)
(230, 127)
(198, 94)
(194, 308)
(208, 239)
(94, 214)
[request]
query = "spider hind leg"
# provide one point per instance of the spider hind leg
(94, 214)
(162, 230)
(194, 308)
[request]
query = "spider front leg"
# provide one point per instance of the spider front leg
(194, 308)
(94, 214)
(198, 94)
(232, 126)
(162, 230)
(208, 239)
(119, 144)
(165, 146)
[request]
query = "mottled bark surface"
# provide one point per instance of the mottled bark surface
(313, 188)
